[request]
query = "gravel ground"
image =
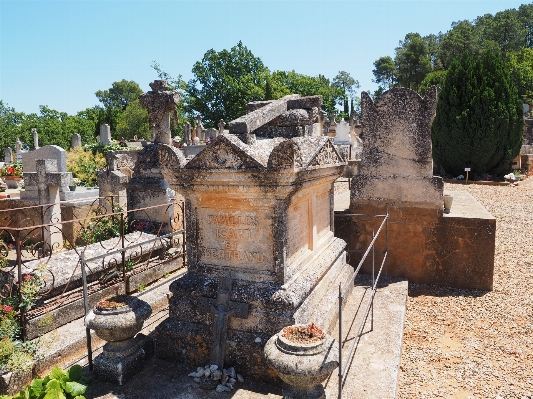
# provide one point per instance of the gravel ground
(470, 343)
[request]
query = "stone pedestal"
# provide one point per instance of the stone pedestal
(260, 247)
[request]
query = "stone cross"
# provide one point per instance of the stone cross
(8, 155)
(76, 140)
(105, 134)
(187, 133)
(159, 103)
(222, 308)
(48, 181)
(35, 138)
(199, 128)
(221, 126)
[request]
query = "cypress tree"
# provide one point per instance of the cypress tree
(479, 121)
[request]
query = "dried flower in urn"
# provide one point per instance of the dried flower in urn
(114, 302)
(304, 334)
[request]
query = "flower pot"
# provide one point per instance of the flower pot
(302, 367)
(72, 188)
(123, 355)
(448, 199)
(12, 181)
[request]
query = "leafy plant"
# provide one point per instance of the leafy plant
(103, 228)
(58, 385)
(142, 287)
(84, 166)
(11, 169)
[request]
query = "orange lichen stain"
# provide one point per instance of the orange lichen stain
(259, 360)
(188, 337)
(272, 373)
(198, 338)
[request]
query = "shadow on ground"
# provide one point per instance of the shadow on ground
(163, 379)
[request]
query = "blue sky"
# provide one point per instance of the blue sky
(59, 53)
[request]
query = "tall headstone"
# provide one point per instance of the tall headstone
(199, 128)
(221, 126)
(48, 180)
(35, 138)
(8, 155)
(261, 251)
(18, 147)
(342, 133)
(114, 180)
(76, 140)
(187, 133)
(160, 103)
(29, 163)
(105, 134)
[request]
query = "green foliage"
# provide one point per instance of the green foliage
(9, 326)
(133, 122)
(101, 227)
(521, 63)
(347, 85)
(412, 61)
(84, 165)
(224, 82)
(58, 385)
(384, 73)
(479, 122)
(434, 78)
(120, 94)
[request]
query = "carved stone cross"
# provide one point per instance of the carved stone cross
(160, 103)
(222, 308)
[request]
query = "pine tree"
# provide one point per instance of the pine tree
(479, 120)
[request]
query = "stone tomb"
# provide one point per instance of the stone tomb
(395, 175)
(260, 247)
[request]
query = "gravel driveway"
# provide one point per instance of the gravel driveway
(470, 343)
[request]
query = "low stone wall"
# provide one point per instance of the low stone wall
(426, 246)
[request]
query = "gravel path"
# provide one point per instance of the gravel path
(477, 344)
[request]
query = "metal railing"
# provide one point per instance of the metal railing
(343, 294)
(129, 242)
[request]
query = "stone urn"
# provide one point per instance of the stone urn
(117, 320)
(448, 199)
(12, 182)
(302, 366)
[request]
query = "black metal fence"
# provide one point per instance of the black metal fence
(344, 291)
(42, 275)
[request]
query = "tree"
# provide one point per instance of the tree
(120, 94)
(133, 122)
(463, 37)
(384, 73)
(504, 29)
(479, 120)
(521, 64)
(224, 82)
(525, 15)
(10, 126)
(412, 61)
(434, 78)
(346, 83)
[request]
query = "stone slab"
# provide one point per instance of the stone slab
(466, 206)
(29, 159)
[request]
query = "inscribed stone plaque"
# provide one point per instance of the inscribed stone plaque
(298, 226)
(322, 214)
(235, 238)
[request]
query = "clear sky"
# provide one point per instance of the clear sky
(59, 53)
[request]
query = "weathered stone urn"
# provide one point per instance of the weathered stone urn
(302, 367)
(123, 354)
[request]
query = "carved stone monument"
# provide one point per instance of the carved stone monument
(18, 147)
(35, 138)
(8, 155)
(105, 134)
(187, 133)
(260, 246)
(48, 180)
(395, 176)
(221, 125)
(76, 140)
(114, 180)
(199, 129)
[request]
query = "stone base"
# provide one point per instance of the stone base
(310, 296)
(120, 366)
(426, 246)
(12, 382)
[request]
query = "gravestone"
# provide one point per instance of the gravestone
(8, 155)
(48, 180)
(221, 125)
(342, 133)
(114, 180)
(160, 103)
(198, 129)
(187, 133)
(210, 133)
(76, 140)
(260, 246)
(18, 147)
(105, 134)
(35, 138)
(396, 177)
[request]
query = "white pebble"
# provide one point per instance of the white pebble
(216, 375)
(193, 374)
(213, 367)
(240, 378)
(197, 380)
(257, 340)
(207, 372)
(232, 381)
(231, 372)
